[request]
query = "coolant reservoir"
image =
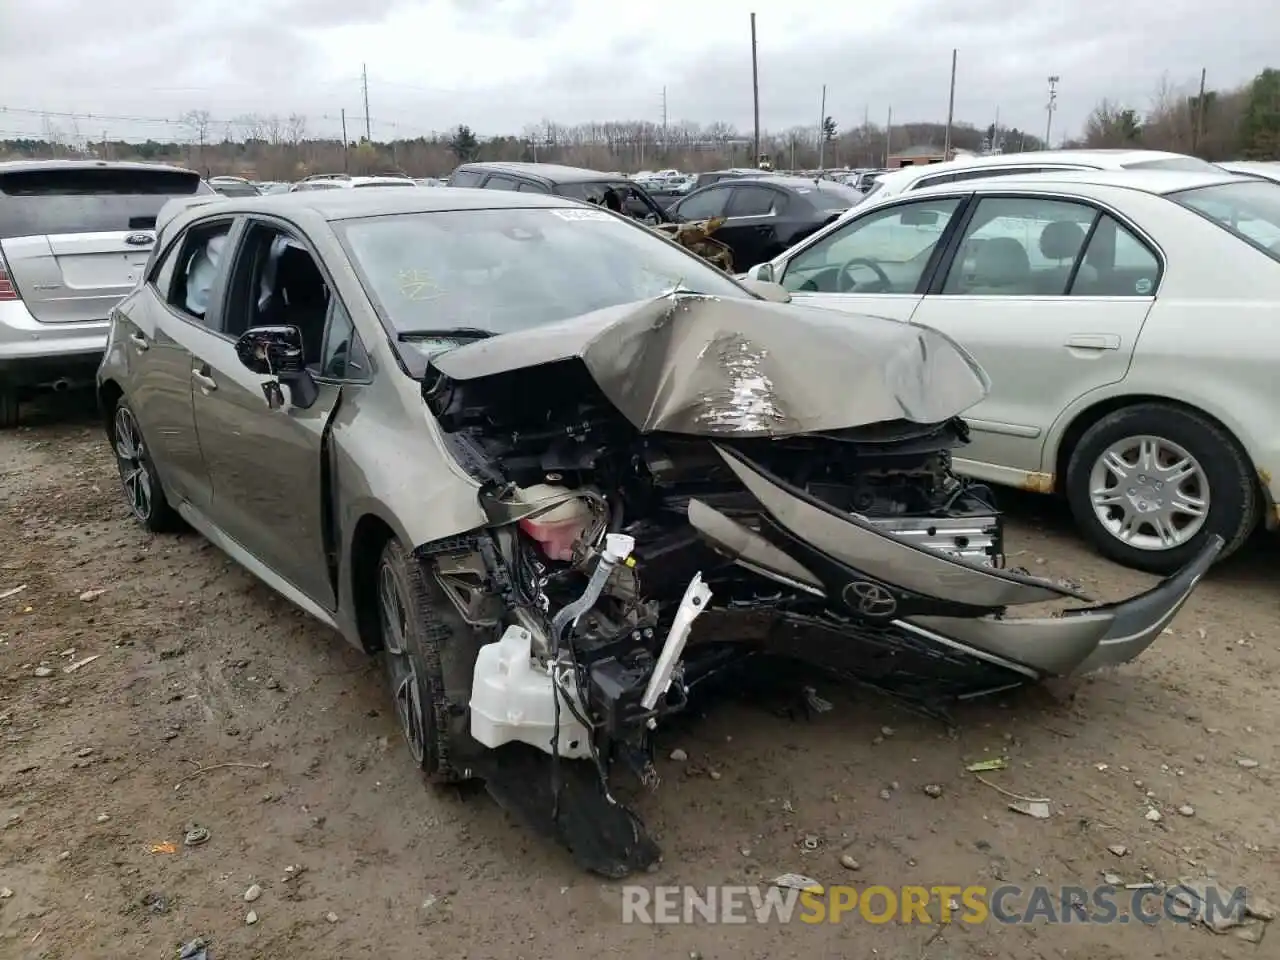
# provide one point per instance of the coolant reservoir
(559, 528)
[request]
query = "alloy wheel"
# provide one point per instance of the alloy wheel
(1149, 492)
(131, 460)
(405, 688)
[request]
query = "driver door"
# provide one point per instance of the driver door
(878, 263)
(264, 464)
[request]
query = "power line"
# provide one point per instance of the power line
(179, 121)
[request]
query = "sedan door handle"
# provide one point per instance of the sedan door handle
(1093, 341)
(202, 378)
(139, 340)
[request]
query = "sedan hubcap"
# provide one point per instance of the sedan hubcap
(405, 691)
(1149, 493)
(131, 459)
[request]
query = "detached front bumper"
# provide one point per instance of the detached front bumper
(869, 577)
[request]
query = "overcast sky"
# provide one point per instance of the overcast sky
(500, 65)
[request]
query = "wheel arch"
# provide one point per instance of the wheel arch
(109, 393)
(370, 535)
(1081, 422)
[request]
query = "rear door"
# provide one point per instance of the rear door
(1049, 293)
(77, 239)
(751, 227)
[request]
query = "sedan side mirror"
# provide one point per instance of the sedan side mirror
(765, 290)
(762, 272)
(276, 351)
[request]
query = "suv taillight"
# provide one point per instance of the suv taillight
(7, 290)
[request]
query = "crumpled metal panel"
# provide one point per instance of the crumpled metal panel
(711, 366)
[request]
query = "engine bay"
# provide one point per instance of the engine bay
(562, 471)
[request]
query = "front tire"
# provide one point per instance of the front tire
(1149, 484)
(429, 652)
(143, 493)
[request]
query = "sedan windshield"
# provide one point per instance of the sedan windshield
(1250, 210)
(506, 270)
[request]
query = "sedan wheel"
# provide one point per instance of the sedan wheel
(429, 653)
(1149, 492)
(1149, 484)
(142, 491)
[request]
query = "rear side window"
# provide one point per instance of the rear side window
(466, 178)
(500, 183)
(51, 201)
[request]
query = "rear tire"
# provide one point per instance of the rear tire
(1154, 468)
(8, 408)
(429, 652)
(143, 493)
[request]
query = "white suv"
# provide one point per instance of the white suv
(74, 238)
(922, 175)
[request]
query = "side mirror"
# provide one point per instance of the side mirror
(765, 290)
(762, 272)
(276, 351)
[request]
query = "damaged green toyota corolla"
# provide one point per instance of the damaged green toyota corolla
(557, 471)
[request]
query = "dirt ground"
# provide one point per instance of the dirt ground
(213, 703)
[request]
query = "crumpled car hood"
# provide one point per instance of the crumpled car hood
(708, 366)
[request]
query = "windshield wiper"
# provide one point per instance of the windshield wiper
(450, 333)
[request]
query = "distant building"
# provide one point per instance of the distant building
(927, 153)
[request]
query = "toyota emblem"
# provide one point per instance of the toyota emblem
(870, 599)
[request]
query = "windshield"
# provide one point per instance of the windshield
(505, 270)
(1250, 210)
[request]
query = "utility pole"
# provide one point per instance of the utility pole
(664, 118)
(822, 129)
(1198, 131)
(995, 133)
(345, 158)
(951, 110)
(1049, 108)
(106, 152)
(888, 136)
(364, 84)
(755, 93)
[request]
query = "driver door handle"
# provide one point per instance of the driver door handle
(139, 340)
(201, 377)
(1093, 341)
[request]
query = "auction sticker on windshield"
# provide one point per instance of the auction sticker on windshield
(582, 215)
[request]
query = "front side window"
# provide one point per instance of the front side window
(505, 270)
(1019, 246)
(466, 178)
(885, 251)
(1249, 210)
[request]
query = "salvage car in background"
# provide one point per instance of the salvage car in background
(74, 237)
(764, 215)
(520, 445)
(1125, 321)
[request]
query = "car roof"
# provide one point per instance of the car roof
(1157, 182)
(1109, 159)
(550, 172)
(16, 166)
(352, 204)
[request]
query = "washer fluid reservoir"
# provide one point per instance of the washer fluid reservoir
(559, 528)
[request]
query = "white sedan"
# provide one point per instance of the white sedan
(1128, 323)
